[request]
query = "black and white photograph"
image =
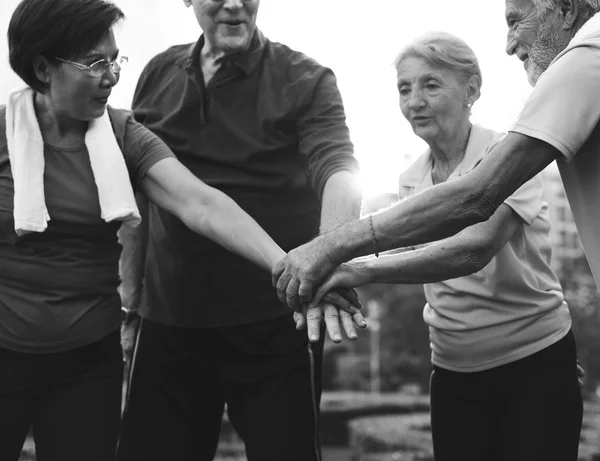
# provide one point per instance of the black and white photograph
(282, 230)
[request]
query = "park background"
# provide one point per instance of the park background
(375, 403)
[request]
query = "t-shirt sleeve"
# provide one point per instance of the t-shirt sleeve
(323, 135)
(528, 200)
(142, 149)
(563, 109)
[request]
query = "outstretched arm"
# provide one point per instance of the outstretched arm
(214, 215)
(209, 212)
(445, 209)
(462, 254)
(436, 213)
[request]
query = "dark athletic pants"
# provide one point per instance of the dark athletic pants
(266, 373)
(71, 399)
(528, 410)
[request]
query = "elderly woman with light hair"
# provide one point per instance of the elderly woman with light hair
(504, 384)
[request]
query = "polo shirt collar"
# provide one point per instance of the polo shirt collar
(416, 173)
(479, 141)
(246, 60)
(587, 35)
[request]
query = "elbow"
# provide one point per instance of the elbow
(473, 261)
(195, 213)
(479, 206)
(206, 213)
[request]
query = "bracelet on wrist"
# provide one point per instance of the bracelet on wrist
(373, 235)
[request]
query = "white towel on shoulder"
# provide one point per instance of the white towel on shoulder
(26, 154)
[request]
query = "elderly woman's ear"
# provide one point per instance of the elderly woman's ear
(473, 90)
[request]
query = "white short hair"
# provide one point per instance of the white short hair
(544, 5)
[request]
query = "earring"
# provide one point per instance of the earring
(468, 105)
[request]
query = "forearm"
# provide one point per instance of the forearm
(217, 217)
(133, 256)
(435, 263)
(209, 212)
(411, 222)
(443, 210)
(341, 201)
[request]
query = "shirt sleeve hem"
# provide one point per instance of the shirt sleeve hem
(528, 218)
(548, 138)
(156, 153)
(320, 189)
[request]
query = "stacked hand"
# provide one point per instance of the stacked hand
(344, 277)
(336, 311)
(298, 275)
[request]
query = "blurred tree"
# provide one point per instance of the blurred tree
(583, 298)
(404, 343)
(405, 357)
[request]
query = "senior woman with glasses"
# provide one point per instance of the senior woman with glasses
(69, 168)
(504, 384)
(98, 68)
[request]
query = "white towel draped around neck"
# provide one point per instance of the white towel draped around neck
(26, 155)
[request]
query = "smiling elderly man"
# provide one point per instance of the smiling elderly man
(559, 42)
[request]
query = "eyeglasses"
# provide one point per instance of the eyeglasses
(99, 68)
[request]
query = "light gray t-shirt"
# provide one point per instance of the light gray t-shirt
(564, 111)
(514, 306)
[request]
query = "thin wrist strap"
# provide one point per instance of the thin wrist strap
(373, 235)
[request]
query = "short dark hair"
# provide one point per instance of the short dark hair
(56, 28)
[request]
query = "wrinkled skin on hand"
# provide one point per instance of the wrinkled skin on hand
(345, 299)
(335, 319)
(346, 276)
(298, 274)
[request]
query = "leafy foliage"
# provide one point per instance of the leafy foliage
(403, 338)
(583, 299)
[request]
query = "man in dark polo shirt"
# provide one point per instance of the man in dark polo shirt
(266, 125)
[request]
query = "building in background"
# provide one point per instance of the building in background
(563, 234)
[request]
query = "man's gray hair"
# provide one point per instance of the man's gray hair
(544, 5)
